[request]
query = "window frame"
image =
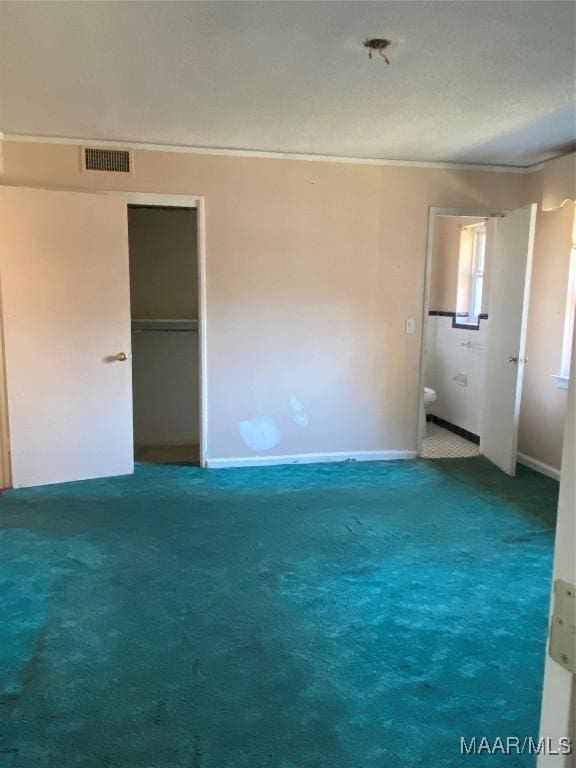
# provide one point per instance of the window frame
(477, 273)
(473, 274)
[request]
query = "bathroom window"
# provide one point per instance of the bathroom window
(471, 266)
(477, 274)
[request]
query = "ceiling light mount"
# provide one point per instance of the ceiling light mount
(377, 45)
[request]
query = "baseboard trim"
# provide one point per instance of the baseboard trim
(538, 466)
(309, 458)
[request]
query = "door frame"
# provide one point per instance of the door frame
(5, 464)
(131, 198)
(197, 202)
(433, 211)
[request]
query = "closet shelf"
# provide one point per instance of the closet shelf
(164, 324)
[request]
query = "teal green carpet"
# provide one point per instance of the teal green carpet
(328, 616)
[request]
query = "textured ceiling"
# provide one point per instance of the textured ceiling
(471, 82)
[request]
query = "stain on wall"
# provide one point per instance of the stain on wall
(260, 434)
(299, 416)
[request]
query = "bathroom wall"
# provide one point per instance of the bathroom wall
(455, 371)
(455, 357)
(165, 364)
(444, 273)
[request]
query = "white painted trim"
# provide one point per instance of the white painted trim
(421, 421)
(309, 458)
(433, 211)
(538, 466)
(471, 213)
(131, 198)
(151, 198)
(191, 150)
(5, 464)
(202, 330)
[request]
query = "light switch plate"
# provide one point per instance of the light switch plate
(563, 629)
(410, 326)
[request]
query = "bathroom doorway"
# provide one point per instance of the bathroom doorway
(476, 304)
(164, 299)
(456, 335)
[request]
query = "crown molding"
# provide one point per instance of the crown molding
(185, 149)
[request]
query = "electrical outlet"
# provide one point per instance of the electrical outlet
(410, 326)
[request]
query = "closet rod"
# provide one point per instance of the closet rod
(164, 324)
(165, 330)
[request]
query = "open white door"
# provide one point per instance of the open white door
(505, 359)
(66, 321)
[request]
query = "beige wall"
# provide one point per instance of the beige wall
(559, 181)
(312, 269)
(543, 409)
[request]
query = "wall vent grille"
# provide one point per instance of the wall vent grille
(109, 160)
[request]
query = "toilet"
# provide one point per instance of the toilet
(428, 398)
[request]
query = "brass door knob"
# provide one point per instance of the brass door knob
(121, 357)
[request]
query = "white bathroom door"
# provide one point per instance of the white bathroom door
(66, 323)
(506, 344)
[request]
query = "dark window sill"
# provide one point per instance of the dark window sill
(462, 322)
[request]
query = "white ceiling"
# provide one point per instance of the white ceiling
(470, 81)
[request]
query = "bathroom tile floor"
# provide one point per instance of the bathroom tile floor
(440, 443)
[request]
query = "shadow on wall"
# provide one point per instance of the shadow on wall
(526, 138)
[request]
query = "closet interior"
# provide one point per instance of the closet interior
(165, 352)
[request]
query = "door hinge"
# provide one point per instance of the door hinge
(563, 630)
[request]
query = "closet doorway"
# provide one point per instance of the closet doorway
(166, 333)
